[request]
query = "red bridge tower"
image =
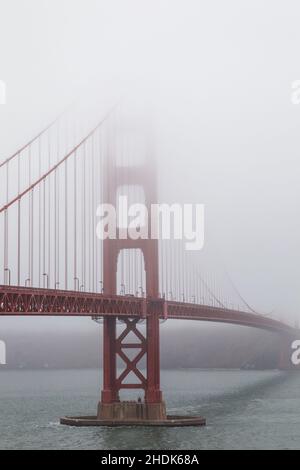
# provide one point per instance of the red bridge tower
(110, 407)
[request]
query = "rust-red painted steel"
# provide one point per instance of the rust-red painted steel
(117, 176)
(25, 301)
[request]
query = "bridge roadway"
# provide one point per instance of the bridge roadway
(27, 301)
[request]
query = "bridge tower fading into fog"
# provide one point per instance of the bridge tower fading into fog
(114, 345)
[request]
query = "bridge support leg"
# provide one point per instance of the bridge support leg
(153, 393)
(152, 408)
(109, 392)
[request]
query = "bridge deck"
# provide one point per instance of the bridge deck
(25, 301)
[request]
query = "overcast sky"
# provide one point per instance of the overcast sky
(219, 75)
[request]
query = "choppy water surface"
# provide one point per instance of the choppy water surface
(244, 409)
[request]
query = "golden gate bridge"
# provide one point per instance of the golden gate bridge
(54, 265)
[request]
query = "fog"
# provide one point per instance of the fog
(186, 347)
(218, 77)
